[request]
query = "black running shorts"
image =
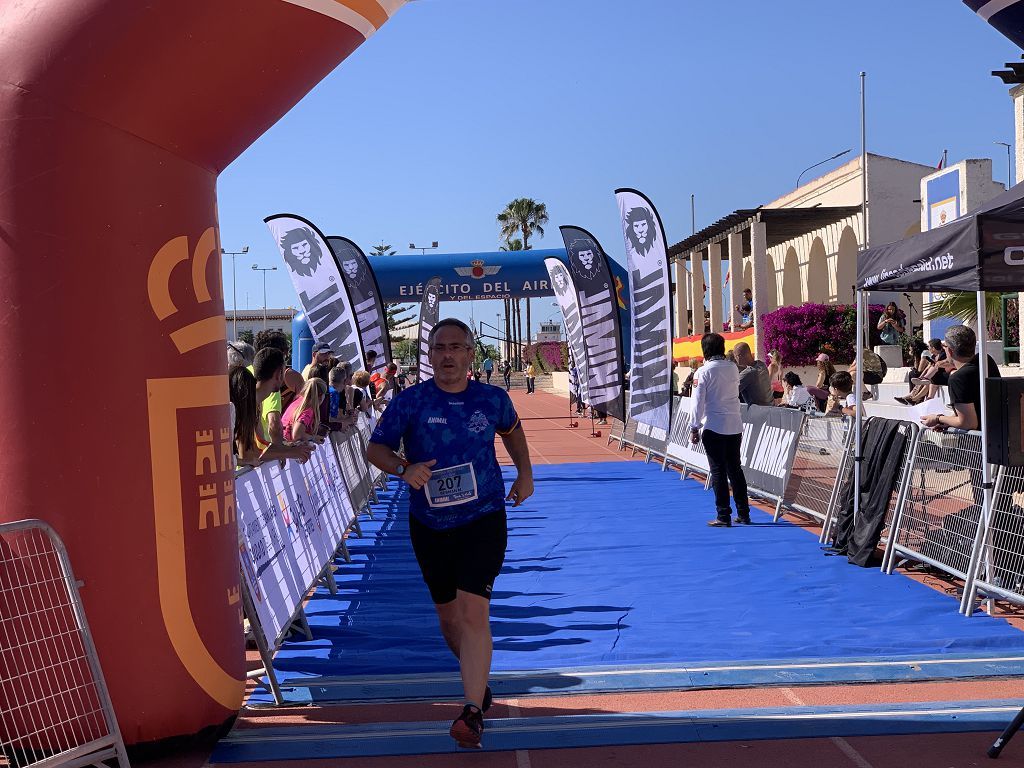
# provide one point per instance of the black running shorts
(468, 557)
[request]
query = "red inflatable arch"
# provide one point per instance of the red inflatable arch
(115, 118)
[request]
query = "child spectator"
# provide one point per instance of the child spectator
(302, 418)
(841, 395)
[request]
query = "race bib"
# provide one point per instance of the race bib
(451, 485)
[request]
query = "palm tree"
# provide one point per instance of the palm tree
(513, 244)
(964, 307)
(382, 250)
(525, 216)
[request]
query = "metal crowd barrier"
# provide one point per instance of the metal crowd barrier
(292, 533)
(845, 475)
(1000, 543)
(821, 450)
(938, 521)
(55, 710)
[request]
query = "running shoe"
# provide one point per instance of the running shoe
(468, 728)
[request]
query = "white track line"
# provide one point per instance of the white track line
(522, 755)
(842, 744)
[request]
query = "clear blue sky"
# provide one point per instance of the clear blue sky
(458, 106)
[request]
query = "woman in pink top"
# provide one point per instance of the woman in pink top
(302, 418)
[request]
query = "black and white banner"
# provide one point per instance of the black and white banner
(650, 374)
(770, 437)
(430, 310)
(365, 294)
(565, 293)
(318, 283)
(767, 452)
(599, 316)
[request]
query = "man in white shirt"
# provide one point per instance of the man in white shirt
(716, 407)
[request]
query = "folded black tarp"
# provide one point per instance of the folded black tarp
(884, 444)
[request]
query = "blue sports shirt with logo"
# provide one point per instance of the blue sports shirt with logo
(454, 429)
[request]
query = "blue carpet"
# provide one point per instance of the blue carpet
(612, 564)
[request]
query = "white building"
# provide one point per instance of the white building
(801, 247)
(253, 320)
(549, 332)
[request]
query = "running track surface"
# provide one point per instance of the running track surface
(553, 442)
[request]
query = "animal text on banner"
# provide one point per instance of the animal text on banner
(430, 310)
(565, 293)
(650, 374)
(768, 447)
(317, 280)
(371, 316)
(599, 316)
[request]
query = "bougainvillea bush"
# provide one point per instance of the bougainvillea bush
(801, 333)
(548, 355)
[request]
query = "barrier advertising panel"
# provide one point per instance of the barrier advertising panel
(273, 584)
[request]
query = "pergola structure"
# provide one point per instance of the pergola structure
(748, 233)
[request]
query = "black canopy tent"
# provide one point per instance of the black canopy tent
(979, 252)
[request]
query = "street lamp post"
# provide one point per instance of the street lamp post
(264, 270)
(423, 248)
(1009, 162)
(234, 295)
(822, 162)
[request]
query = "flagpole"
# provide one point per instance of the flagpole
(861, 299)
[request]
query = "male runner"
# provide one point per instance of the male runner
(457, 504)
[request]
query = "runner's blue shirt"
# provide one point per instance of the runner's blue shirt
(455, 429)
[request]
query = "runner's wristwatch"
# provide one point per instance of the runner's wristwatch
(400, 470)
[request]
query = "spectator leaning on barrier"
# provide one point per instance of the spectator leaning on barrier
(755, 381)
(302, 419)
(361, 381)
(716, 407)
(268, 368)
(337, 380)
(321, 356)
(322, 371)
(251, 446)
(292, 380)
(964, 385)
(841, 397)
(385, 384)
(371, 363)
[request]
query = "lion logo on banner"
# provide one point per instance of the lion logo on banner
(583, 258)
(301, 251)
(640, 230)
(560, 278)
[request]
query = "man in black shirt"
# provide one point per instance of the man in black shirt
(964, 384)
